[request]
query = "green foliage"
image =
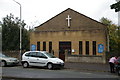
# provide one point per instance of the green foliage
(114, 36)
(25, 40)
(0, 38)
(11, 34)
(116, 6)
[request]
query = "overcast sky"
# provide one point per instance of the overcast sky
(36, 12)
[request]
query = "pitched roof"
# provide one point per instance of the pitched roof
(78, 22)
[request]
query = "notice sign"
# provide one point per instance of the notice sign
(33, 47)
(73, 50)
(100, 48)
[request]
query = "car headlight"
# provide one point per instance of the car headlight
(59, 62)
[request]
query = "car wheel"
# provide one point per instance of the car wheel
(25, 64)
(119, 72)
(3, 64)
(50, 66)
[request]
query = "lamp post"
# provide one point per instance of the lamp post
(118, 15)
(20, 28)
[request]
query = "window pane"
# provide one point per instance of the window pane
(27, 54)
(94, 47)
(50, 47)
(87, 47)
(41, 55)
(44, 46)
(38, 46)
(80, 47)
(33, 54)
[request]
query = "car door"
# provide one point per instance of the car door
(41, 59)
(33, 58)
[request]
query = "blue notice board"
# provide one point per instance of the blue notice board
(33, 47)
(100, 48)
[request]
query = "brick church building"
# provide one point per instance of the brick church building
(72, 37)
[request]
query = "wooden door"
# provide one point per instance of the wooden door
(62, 47)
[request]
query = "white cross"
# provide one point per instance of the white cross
(68, 19)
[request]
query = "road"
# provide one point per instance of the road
(36, 72)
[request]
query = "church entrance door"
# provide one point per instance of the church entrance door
(64, 47)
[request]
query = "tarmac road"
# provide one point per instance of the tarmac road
(36, 72)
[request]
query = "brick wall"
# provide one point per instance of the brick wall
(89, 59)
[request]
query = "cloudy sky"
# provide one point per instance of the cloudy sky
(35, 12)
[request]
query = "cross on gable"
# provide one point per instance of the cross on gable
(68, 19)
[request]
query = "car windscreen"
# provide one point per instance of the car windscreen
(2, 55)
(118, 59)
(49, 55)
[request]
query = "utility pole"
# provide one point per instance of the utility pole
(20, 28)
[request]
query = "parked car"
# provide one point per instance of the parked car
(117, 65)
(6, 60)
(42, 59)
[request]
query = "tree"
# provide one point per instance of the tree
(0, 38)
(116, 6)
(10, 34)
(114, 36)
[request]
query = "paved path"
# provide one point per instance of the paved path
(87, 66)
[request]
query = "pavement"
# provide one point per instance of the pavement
(78, 66)
(97, 67)
(83, 66)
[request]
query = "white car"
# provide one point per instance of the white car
(41, 58)
(6, 60)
